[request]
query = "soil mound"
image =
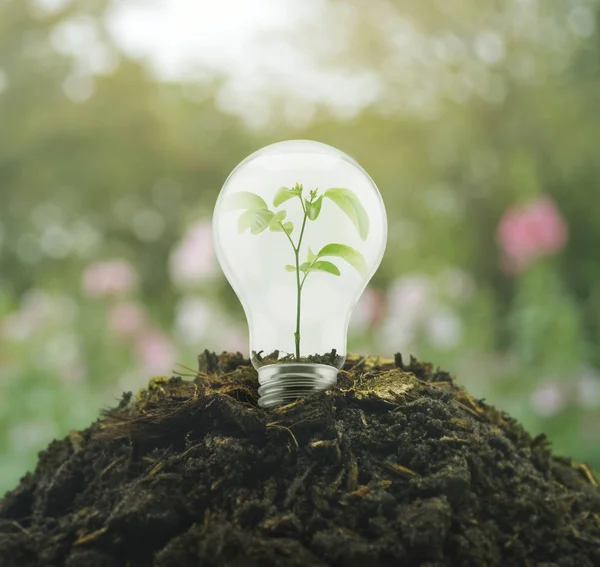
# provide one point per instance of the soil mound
(395, 466)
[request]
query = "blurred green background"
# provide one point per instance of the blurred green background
(479, 120)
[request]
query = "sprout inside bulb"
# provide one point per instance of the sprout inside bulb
(299, 230)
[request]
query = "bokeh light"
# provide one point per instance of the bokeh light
(478, 120)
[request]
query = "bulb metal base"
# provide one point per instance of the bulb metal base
(283, 383)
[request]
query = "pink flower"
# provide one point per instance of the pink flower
(529, 232)
(193, 260)
(109, 277)
(409, 297)
(548, 399)
(195, 319)
(235, 340)
(126, 319)
(39, 309)
(444, 329)
(369, 310)
(155, 352)
(409, 301)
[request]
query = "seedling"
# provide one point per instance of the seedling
(258, 217)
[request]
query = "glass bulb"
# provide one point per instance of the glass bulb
(299, 228)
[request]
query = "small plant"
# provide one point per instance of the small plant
(257, 217)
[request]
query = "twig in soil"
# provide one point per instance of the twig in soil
(192, 370)
(361, 491)
(476, 415)
(399, 470)
(275, 424)
(156, 469)
(360, 362)
(352, 482)
(328, 445)
(194, 373)
(76, 440)
(363, 419)
(17, 525)
(110, 466)
(468, 404)
(90, 537)
(337, 481)
(181, 455)
(460, 423)
(586, 472)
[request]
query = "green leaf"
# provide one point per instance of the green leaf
(304, 267)
(275, 223)
(311, 256)
(290, 268)
(324, 266)
(349, 203)
(245, 220)
(244, 200)
(353, 257)
(262, 219)
(283, 194)
(313, 209)
(288, 227)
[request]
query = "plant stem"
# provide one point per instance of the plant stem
(298, 284)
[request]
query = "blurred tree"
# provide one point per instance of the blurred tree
(95, 153)
(459, 109)
(481, 105)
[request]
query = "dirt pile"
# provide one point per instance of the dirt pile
(395, 466)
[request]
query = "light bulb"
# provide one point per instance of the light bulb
(299, 229)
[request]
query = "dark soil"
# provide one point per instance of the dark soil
(395, 466)
(276, 357)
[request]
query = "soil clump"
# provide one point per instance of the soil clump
(397, 465)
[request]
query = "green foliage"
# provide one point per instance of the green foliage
(353, 257)
(245, 221)
(261, 220)
(313, 208)
(245, 200)
(324, 266)
(258, 217)
(87, 174)
(283, 194)
(349, 203)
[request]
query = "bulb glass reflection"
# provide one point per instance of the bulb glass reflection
(299, 229)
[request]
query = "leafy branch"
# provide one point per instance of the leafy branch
(257, 217)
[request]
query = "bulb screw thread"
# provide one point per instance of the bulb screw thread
(281, 384)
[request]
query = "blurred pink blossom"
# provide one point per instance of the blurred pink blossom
(108, 277)
(409, 296)
(126, 319)
(444, 329)
(369, 310)
(548, 399)
(529, 232)
(195, 319)
(154, 352)
(193, 259)
(235, 340)
(410, 300)
(38, 311)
